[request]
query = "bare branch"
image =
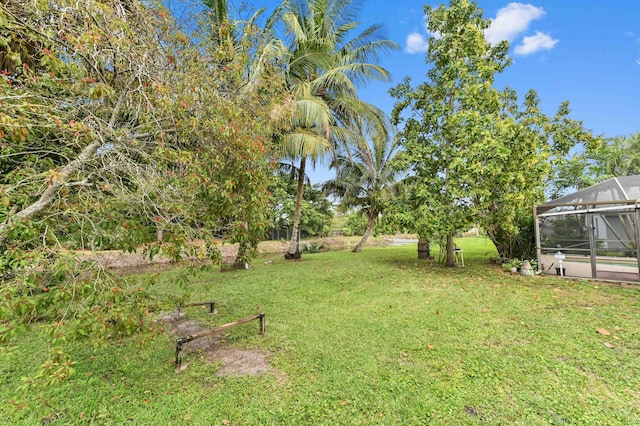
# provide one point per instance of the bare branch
(50, 193)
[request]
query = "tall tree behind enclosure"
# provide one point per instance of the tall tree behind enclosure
(478, 155)
(451, 112)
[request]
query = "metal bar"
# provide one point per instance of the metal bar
(582, 203)
(592, 246)
(179, 344)
(211, 303)
(181, 341)
(220, 328)
(638, 238)
(629, 205)
(621, 188)
(536, 225)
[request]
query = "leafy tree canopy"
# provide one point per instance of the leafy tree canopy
(115, 124)
(367, 179)
(478, 154)
(316, 213)
(600, 161)
(329, 57)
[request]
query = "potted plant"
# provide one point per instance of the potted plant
(512, 265)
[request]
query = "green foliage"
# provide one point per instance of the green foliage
(479, 157)
(116, 128)
(375, 338)
(513, 263)
(367, 180)
(601, 160)
(517, 240)
(327, 60)
(148, 134)
(65, 306)
(356, 224)
(313, 247)
(316, 211)
(517, 263)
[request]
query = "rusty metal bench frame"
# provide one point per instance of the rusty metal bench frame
(212, 306)
(181, 341)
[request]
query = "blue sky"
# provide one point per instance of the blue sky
(584, 51)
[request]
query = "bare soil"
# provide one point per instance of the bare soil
(132, 263)
(240, 362)
(234, 361)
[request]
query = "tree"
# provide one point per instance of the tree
(450, 112)
(125, 109)
(263, 54)
(324, 68)
(618, 157)
(366, 180)
(517, 181)
(317, 212)
(114, 120)
(601, 160)
(60, 115)
(478, 156)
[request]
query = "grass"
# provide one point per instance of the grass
(370, 338)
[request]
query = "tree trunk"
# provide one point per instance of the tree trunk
(243, 251)
(450, 261)
(370, 224)
(294, 244)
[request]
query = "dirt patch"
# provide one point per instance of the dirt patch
(240, 362)
(133, 263)
(235, 361)
(137, 262)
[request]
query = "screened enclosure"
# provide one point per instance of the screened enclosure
(593, 233)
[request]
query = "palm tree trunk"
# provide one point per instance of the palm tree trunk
(370, 224)
(294, 244)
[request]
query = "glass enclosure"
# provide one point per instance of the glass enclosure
(597, 230)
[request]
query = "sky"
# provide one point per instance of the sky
(586, 52)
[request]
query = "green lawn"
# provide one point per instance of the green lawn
(378, 338)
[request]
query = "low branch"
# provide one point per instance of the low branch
(49, 195)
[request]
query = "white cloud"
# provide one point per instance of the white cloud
(509, 24)
(535, 43)
(416, 43)
(512, 20)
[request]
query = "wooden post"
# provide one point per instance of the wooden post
(424, 251)
(179, 344)
(262, 324)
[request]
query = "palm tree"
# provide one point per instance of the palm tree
(324, 69)
(366, 180)
(259, 42)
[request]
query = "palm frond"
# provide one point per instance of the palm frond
(306, 143)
